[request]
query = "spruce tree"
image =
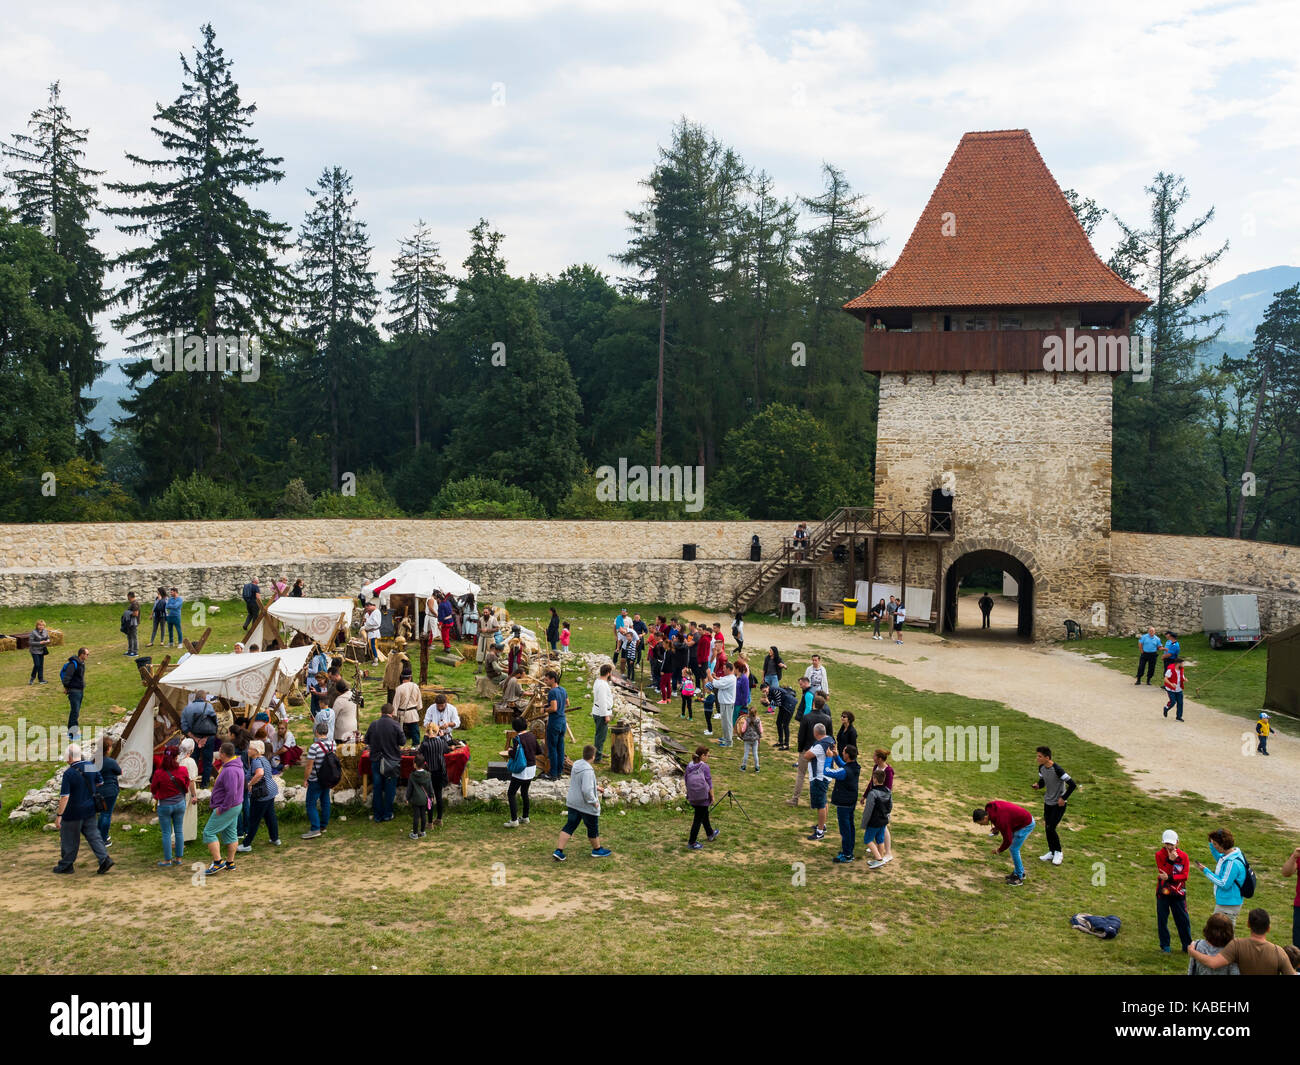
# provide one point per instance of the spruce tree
(57, 193)
(418, 300)
(207, 266)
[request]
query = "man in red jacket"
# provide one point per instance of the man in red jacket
(1013, 823)
(1171, 891)
(703, 645)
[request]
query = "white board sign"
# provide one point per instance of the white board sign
(790, 595)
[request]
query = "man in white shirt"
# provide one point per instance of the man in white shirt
(370, 630)
(724, 684)
(602, 706)
(900, 615)
(441, 717)
(816, 675)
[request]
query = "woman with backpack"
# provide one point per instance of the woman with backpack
(699, 793)
(521, 760)
(1231, 876)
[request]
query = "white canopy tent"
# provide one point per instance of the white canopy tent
(419, 577)
(241, 678)
(317, 619)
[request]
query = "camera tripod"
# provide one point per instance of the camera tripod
(730, 796)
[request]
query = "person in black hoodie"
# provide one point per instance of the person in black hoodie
(846, 772)
(553, 630)
(847, 733)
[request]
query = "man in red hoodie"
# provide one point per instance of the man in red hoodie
(1013, 823)
(1171, 891)
(703, 645)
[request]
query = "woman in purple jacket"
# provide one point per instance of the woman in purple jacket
(699, 793)
(227, 802)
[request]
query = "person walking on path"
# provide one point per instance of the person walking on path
(557, 702)
(38, 643)
(845, 772)
(602, 706)
(227, 802)
(583, 804)
(171, 786)
(1254, 956)
(1263, 729)
(986, 609)
(75, 816)
(1057, 786)
(73, 678)
(159, 615)
(1172, 870)
(1148, 647)
(1228, 874)
(521, 758)
(1013, 823)
(1174, 680)
(699, 793)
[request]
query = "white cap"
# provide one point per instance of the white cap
(1262, 714)
(1170, 836)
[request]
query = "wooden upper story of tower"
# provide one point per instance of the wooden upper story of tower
(996, 265)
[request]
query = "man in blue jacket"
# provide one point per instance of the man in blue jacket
(76, 814)
(174, 604)
(73, 677)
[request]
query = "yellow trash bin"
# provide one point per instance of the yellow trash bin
(850, 611)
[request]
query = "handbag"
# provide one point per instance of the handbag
(518, 759)
(390, 767)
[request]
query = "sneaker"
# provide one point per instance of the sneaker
(558, 855)
(511, 824)
(755, 769)
(696, 846)
(275, 843)
(108, 841)
(244, 849)
(792, 802)
(1166, 711)
(818, 835)
(708, 732)
(601, 852)
(886, 859)
(312, 834)
(1046, 857)
(716, 833)
(523, 821)
(1015, 881)
(842, 859)
(413, 835)
(1166, 950)
(228, 867)
(105, 866)
(875, 863)
(214, 868)
(1058, 857)
(63, 871)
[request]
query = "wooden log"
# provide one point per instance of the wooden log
(621, 749)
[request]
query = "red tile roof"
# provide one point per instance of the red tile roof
(1017, 242)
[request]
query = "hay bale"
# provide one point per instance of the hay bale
(295, 698)
(469, 716)
(8, 643)
(56, 637)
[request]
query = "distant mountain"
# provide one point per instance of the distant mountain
(1244, 300)
(110, 389)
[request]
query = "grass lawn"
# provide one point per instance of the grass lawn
(1231, 680)
(476, 897)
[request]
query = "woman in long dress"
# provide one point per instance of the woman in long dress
(191, 825)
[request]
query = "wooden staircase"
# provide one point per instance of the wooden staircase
(846, 524)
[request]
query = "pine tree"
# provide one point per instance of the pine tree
(340, 302)
(419, 292)
(57, 193)
(207, 267)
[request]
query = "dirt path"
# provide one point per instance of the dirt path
(1211, 753)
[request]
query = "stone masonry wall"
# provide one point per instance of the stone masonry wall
(1029, 460)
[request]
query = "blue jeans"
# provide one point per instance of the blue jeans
(174, 623)
(171, 819)
(263, 810)
(106, 818)
(1016, 842)
(317, 794)
(848, 830)
(772, 681)
(385, 791)
(74, 710)
(555, 746)
(1175, 703)
(38, 667)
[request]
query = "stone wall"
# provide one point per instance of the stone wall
(59, 546)
(1028, 459)
(706, 584)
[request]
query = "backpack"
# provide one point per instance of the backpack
(735, 629)
(68, 671)
(697, 788)
(329, 770)
(249, 592)
(1248, 882)
(125, 626)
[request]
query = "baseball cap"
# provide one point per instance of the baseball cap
(1263, 714)
(1170, 836)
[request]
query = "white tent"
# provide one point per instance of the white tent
(238, 678)
(419, 577)
(317, 619)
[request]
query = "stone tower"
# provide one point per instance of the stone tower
(996, 275)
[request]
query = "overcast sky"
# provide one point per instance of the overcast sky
(543, 115)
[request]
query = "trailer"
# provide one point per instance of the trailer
(1230, 619)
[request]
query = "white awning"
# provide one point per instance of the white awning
(239, 678)
(315, 618)
(419, 577)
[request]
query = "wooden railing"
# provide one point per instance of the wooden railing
(845, 523)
